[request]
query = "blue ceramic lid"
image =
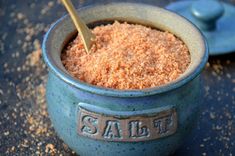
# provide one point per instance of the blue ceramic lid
(215, 19)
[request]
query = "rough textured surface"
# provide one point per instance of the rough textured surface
(25, 128)
(127, 56)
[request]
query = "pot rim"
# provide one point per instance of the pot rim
(184, 79)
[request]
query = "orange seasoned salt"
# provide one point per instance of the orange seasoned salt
(127, 56)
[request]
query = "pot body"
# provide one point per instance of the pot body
(63, 106)
(100, 121)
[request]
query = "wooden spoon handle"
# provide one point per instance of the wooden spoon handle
(83, 30)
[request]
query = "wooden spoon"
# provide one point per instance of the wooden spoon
(83, 30)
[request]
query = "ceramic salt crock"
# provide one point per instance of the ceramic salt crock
(100, 121)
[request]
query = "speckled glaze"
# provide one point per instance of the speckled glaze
(65, 94)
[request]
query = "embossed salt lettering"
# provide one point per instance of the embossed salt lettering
(137, 130)
(90, 125)
(112, 130)
(163, 124)
(124, 128)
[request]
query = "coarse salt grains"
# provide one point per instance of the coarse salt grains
(127, 56)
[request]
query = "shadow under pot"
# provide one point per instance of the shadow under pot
(101, 121)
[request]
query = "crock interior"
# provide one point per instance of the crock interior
(63, 30)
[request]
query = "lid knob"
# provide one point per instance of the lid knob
(207, 13)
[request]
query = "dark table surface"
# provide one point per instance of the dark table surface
(25, 128)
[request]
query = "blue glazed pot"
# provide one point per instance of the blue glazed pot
(100, 121)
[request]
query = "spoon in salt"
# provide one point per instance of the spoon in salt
(82, 28)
